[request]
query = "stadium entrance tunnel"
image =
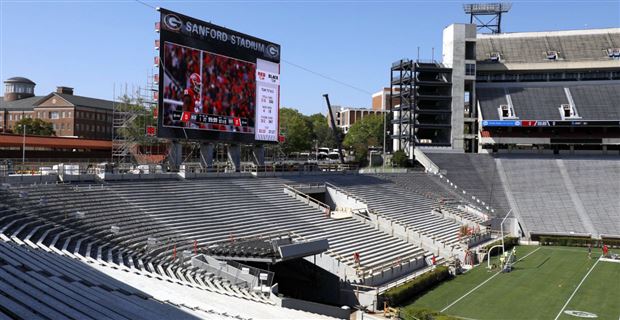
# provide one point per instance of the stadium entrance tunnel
(303, 280)
(332, 200)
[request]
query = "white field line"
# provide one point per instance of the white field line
(485, 281)
(576, 289)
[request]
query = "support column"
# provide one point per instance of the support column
(259, 154)
(234, 156)
(175, 157)
(206, 154)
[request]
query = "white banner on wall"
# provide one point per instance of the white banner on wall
(267, 100)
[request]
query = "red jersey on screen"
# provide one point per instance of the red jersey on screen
(191, 101)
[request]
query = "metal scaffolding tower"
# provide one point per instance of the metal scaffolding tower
(131, 116)
(420, 104)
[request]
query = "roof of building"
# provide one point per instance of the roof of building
(28, 104)
(21, 104)
(594, 100)
(532, 47)
(19, 80)
(86, 101)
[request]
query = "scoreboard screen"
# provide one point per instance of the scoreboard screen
(216, 84)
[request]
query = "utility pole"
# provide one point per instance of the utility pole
(24, 146)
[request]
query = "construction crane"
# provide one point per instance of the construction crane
(334, 128)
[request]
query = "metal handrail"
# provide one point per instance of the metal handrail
(297, 192)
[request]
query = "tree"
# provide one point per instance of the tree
(367, 132)
(321, 132)
(37, 127)
(399, 158)
(297, 131)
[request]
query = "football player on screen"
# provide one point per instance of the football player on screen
(191, 95)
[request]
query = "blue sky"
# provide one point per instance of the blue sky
(93, 45)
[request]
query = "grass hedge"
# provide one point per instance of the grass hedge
(509, 242)
(416, 313)
(409, 290)
(576, 241)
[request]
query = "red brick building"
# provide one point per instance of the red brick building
(70, 115)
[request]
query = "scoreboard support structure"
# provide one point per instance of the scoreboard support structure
(234, 156)
(259, 154)
(206, 154)
(175, 157)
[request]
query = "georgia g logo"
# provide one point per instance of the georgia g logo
(173, 22)
(272, 51)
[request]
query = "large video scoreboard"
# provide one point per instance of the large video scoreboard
(215, 83)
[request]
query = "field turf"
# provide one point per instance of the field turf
(542, 285)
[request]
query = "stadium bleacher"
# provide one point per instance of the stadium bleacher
(597, 183)
(74, 237)
(410, 208)
(567, 195)
(581, 45)
(598, 102)
(541, 196)
(475, 173)
(216, 210)
(37, 284)
(213, 210)
(593, 100)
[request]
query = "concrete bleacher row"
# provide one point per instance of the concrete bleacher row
(40, 284)
(177, 213)
(447, 196)
(80, 238)
(475, 173)
(412, 209)
(216, 210)
(595, 101)
(586, 46)
(566, 194)
(35, 284)
(182, 214)
(551, 195)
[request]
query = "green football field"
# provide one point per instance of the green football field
(546, 283)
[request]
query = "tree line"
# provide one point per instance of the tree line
(304, 133)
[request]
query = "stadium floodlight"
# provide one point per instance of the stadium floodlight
(486, 8)
(492, 10)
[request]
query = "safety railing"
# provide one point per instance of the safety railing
(236, 273)
(308, 198)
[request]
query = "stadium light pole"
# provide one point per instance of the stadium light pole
(501, 226)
